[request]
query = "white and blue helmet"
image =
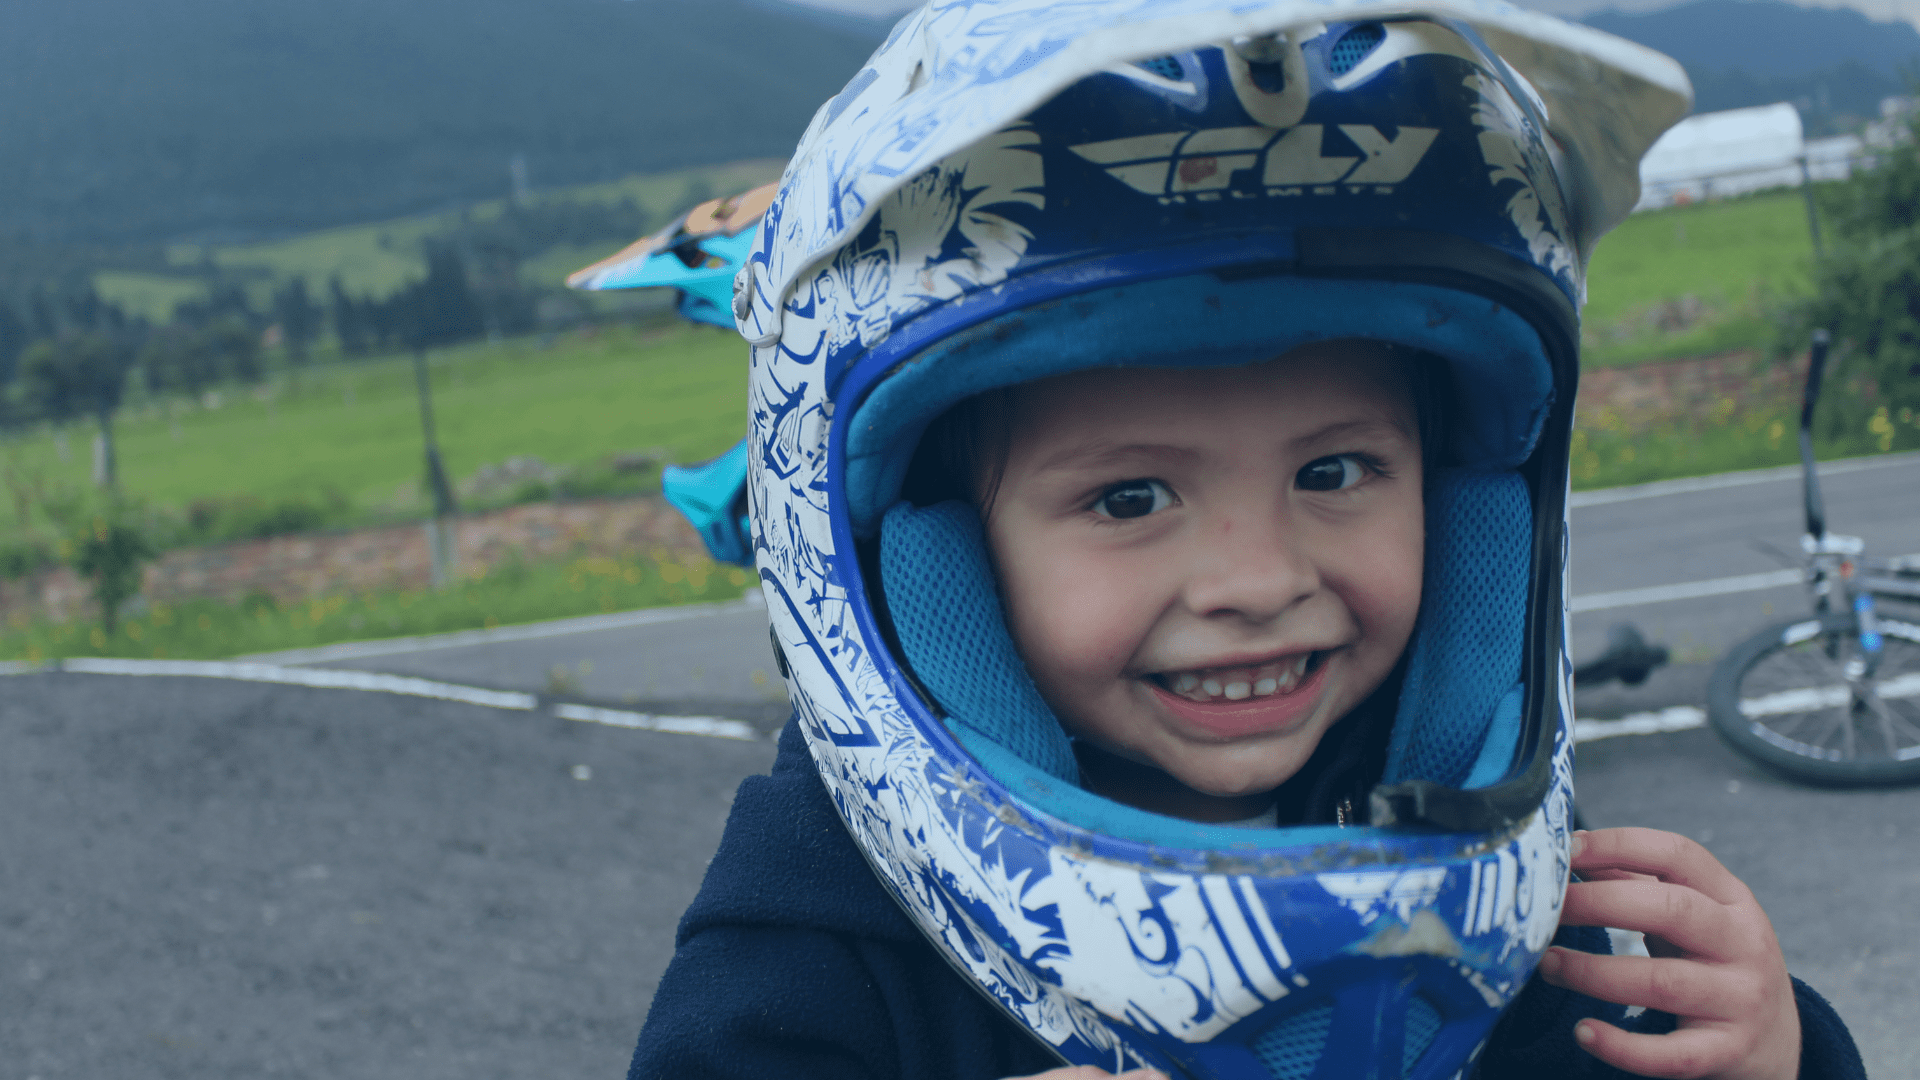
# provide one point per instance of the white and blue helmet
(1013, 189)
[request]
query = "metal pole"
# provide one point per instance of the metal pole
(1813, 218)
(440, 525)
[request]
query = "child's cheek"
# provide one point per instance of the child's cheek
(1072, 616)
(1381, 572)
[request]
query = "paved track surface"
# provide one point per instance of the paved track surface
(208, 879)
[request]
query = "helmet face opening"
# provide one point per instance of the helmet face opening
(1305, 179)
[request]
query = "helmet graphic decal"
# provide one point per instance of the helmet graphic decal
(1514, 154)
(942, 234)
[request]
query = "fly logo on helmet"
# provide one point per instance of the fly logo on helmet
(1014, 189)
(1203, 165)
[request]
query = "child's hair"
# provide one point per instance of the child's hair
(963, 453)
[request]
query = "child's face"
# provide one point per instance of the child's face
(1204, 570)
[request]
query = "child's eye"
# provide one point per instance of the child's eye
(1132, 499)
(1331, 473)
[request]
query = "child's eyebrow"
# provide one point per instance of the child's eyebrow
(1351, 428)
(1101, 454)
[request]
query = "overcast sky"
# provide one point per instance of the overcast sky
(1883, 10)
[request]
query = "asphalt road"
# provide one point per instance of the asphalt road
(213, 879)
(208, 879)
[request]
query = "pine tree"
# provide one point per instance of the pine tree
(80, 375)
(298, 317)
(349, 319)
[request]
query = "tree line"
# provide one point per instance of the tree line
(68, 355)
(73, 357)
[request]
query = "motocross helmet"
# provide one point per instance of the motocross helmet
(1014, 189)
(697, 255)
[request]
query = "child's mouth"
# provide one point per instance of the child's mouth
(1251, 699)
(1217, 686)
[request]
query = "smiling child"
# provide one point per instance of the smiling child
(1157, 469)
(1205, 570)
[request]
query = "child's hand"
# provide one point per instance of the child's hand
(1715, 962)
(1093, 1073)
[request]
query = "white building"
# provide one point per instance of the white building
(1740, 150)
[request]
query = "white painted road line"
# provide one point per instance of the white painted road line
(1692, 590)
(356, 650)
(1687, 590)
(683, 725)
(1678, 718)
(1809, 698)
(315, 677)
(1604, 496)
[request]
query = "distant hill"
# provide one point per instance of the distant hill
(225, 120)
(1834, 63)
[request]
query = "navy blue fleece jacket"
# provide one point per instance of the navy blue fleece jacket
(793, 962)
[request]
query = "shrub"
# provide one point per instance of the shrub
(19, 558)
(1867, 292)
(111, 552)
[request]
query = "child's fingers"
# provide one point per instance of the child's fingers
(1668, 856)
(1674, 913)
(1689, 1052)
(1682, 987)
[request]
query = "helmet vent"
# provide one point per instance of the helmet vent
(1291, 1048)
(1164, 66)
(1422, 1024)
(1353, 47)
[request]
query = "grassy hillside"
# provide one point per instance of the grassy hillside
(1695, 280)
(377, 258)
(1677, 282)
(354, 429)
(130, 121)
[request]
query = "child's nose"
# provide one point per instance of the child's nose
(1251, 567)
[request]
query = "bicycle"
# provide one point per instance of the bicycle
(1835, 698)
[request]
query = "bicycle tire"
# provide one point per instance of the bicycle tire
(1782, 697)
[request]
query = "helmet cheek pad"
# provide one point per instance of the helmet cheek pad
(1387, 178)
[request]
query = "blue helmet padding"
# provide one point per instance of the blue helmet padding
(1459, 716)
(1503, 383)
(709, 495)
(1464, 659)
(946, 609)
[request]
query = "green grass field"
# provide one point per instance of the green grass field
(354, 428)
(1732, 258)
(515, 593)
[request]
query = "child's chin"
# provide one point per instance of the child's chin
(1274, 714)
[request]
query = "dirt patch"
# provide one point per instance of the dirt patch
(295, 567)
(1669, 391)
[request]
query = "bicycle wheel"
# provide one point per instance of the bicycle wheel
(1795, 696)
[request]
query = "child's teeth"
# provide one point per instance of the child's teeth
(1238, 684)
